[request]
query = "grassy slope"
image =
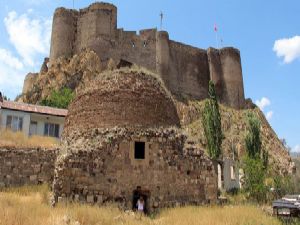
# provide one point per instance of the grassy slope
(234, 125)
(27, 206)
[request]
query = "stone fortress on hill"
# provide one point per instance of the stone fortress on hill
(185, 70)
(130, 131)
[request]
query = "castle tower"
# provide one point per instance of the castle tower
(163, 55)
(215, 70)
(233, 78)
(226, 73)
(96, 24)
(73, 31)
(63, 33)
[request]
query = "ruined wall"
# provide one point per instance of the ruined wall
(26, 166)
(170, 175)
(138, 100)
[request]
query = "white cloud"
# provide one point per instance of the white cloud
(288, 48)
(296, 149)
(11, 80)
(269, 115)
(7, 58)
(263, 102)
(30, 37)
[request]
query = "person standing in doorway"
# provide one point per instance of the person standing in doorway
(140, 206)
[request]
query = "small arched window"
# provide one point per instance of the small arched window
(145, 44)
(133, 44)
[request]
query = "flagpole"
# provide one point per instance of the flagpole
(217, 39)
(216, 31)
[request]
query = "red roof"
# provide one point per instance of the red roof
(33, 108)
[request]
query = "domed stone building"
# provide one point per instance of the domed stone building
(122, 140)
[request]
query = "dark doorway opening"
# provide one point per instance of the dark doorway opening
(137, 193)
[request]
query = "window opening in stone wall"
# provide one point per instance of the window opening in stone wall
(139, 150)
(133, 44)
(145, 44)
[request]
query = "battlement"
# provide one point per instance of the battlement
(186, 70)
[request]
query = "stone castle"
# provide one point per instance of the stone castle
(184, 69)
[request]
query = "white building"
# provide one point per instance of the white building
(32, 119)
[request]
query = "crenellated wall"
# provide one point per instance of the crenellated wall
(186, 70)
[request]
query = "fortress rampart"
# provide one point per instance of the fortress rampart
(186, 70)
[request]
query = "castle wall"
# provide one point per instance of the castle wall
(63, 33)
(23, 166)
(139, 49)
(169, 176)
(233, 78)
(215, 70)
(188, 71)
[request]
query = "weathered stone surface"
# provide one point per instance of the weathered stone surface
(26, 166)
(97, 161)
(133, 98)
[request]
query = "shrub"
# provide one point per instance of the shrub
(254, 177)
(59, 99)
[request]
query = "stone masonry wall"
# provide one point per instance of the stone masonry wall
(170, 174)
(26, 166)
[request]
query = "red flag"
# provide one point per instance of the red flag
(215, 28)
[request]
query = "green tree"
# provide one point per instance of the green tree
(256, 161)
(254, 177)
(59, 99)
(253, 139)
(211, 121)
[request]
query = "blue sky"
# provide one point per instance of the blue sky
(266, 32)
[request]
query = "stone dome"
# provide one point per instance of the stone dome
(122, 98)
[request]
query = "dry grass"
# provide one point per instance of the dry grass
(19, 139)
(24, 206)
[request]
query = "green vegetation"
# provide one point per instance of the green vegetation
(211, 122)
(255, 163)
(59, 99)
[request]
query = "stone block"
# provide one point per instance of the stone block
(90, 198)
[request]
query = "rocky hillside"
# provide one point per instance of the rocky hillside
(234, 125)
(78, 72)
(73, 73)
